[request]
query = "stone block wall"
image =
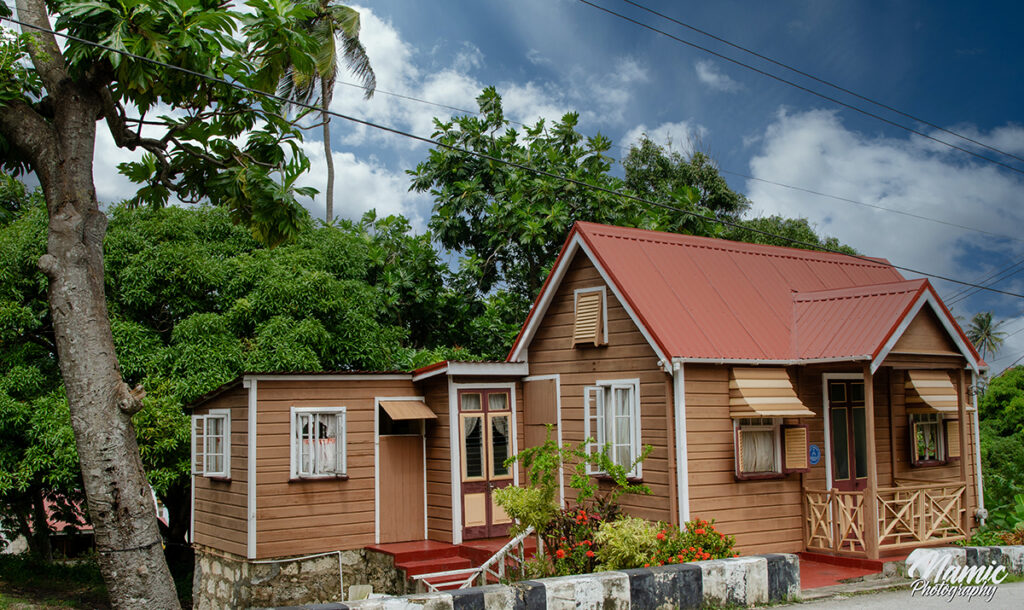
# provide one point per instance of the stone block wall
(230, 581)
(744, 581)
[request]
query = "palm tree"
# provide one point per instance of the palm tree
(985, 335)
(329, 23)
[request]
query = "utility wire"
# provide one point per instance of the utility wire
(820, 80)
(506, 162)
(801, 87)
(994, 278)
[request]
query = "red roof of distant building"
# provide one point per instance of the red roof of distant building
(704, 298)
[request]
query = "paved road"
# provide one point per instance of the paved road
(1008, 596)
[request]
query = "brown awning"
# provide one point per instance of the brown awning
(407, 409)
(763, 392)
(930, 391)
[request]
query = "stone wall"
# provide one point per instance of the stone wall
(745, 581)
(229, 581)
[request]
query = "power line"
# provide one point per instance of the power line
(487, 157)
(994, 278)
(821, 80)
(801, 87)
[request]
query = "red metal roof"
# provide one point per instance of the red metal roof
(704, 298)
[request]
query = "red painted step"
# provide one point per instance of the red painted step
(416, 551)
(436, 564)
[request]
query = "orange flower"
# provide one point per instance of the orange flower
(560, 553)
(661, 535)
(698, 531)
(647, 565)
(590, 553)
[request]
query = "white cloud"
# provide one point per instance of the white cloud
(709, 74)
(814, 150)
(679, 136)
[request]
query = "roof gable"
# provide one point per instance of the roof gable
(697, 298)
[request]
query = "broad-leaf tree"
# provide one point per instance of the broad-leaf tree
(205, 138)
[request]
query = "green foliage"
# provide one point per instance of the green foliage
(629, 542)
(76, 584)
(529, 506)
(697, 540)
(986, 536)
(1001, 409)
(1002, 405)
(985, 334)
(787, 232)
(1010, 518)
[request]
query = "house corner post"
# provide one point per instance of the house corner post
(961, 413)
(871, 541)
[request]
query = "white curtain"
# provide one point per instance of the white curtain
(758, 450)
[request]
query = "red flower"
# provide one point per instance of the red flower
(661, 535)
(590, 553)
(692, 548)
(735, 554)
(560, 553)
(588, 543)
(680, 556)
(698, 531)
(647, 565)
(564, 538)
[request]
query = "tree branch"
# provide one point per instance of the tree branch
(28, 132)
(45, 54)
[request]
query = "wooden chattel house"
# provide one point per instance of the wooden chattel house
(804, 400)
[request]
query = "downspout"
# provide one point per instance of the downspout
(682, 466)
(982, 514)
(250, 459)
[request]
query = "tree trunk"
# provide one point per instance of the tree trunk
(40, 545)
(119, 499)
(327, 92)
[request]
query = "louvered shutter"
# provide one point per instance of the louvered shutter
(952, 439)
(198, 444)
(589, 318)
(794, 449)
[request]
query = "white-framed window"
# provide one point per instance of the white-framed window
(612, 418)
(758, 447)
(211, 444)
(318, 442)
(927, 441)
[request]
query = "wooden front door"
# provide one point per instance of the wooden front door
(485, 436)
(847, 416)
(401, 488)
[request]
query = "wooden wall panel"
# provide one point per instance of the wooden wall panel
(298, 517)
(627, 355)
(221, 505)
(925, 335)
(439, 481)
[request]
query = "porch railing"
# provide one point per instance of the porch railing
(510, 556)
(907, 516)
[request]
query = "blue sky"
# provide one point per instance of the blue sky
(951, 63)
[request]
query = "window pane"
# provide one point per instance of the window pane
(473, 442)
(860, 443)
(470, 402)
(758, 450)
(857, 391)
(497, 402)
(306, 443)
(215, 426)
(836, 392)
(499, 444)
(840, 448)
(327, 444)
(927, 440)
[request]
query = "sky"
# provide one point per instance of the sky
(950, 65)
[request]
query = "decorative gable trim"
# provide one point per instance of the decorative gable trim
(540, 307)
(928, 297)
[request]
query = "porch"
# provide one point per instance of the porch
(885, 521)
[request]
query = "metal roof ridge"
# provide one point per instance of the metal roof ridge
(861, 291)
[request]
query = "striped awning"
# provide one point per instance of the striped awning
(407, 409)
(763, 392)
(930, 391)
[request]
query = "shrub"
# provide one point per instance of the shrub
(629, 542)
(697, 542)
(529, 506)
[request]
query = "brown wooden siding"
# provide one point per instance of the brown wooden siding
(925, 335)
(439, 478)
(221, 505)
(297, 517)
(627, 355)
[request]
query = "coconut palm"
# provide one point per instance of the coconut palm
(984, 334)
(329, 24)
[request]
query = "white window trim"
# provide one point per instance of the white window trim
(225, 473)
(604, 308)
(294, 446)
(608, 385)
(775, 427)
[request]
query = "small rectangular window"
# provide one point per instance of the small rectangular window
(612, 417)
(926, 439)
(758, 447)
(211, 444)
(318, 442)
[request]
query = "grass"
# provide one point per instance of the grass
(30, 583)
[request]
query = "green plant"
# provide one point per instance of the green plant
(1009, 518)
(629, 542)
(985, 536)
(697, 541)
(529, 506)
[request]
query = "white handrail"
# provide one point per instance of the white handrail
(500, 558)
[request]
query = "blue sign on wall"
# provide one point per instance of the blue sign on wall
(814, 453)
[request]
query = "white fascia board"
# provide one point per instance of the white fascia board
(489, 368)
(438, 371)
(929, 298)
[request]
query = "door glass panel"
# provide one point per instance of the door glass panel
(473, 444)
(497, 402)
(840, 447)
(857, 391)
(836, 392)
(470, 402)
(860, 443)
(499, 445)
